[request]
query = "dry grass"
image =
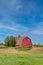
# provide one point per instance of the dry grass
(34, 50)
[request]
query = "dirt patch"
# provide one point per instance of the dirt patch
(34, 50)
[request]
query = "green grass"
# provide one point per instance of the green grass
(23, 48)
(23, 59)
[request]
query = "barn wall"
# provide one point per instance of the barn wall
(26, 42)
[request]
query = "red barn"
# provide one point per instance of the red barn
(23, 41)
(26, 42)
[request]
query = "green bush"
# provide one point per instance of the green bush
(10, 41)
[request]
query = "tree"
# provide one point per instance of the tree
(10, 41)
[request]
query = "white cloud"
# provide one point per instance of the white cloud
(12, 26)
(38, 29)
(38, 32)
(8, 27)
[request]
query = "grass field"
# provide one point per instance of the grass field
(21, 59)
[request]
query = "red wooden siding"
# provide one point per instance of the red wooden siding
(26, 42)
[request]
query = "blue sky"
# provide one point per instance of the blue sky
(24, 17)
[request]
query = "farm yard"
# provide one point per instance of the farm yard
(21, 55)
(20, 51)
(11, 56)
(13, 50)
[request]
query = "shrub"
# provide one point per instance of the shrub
(10, 41)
